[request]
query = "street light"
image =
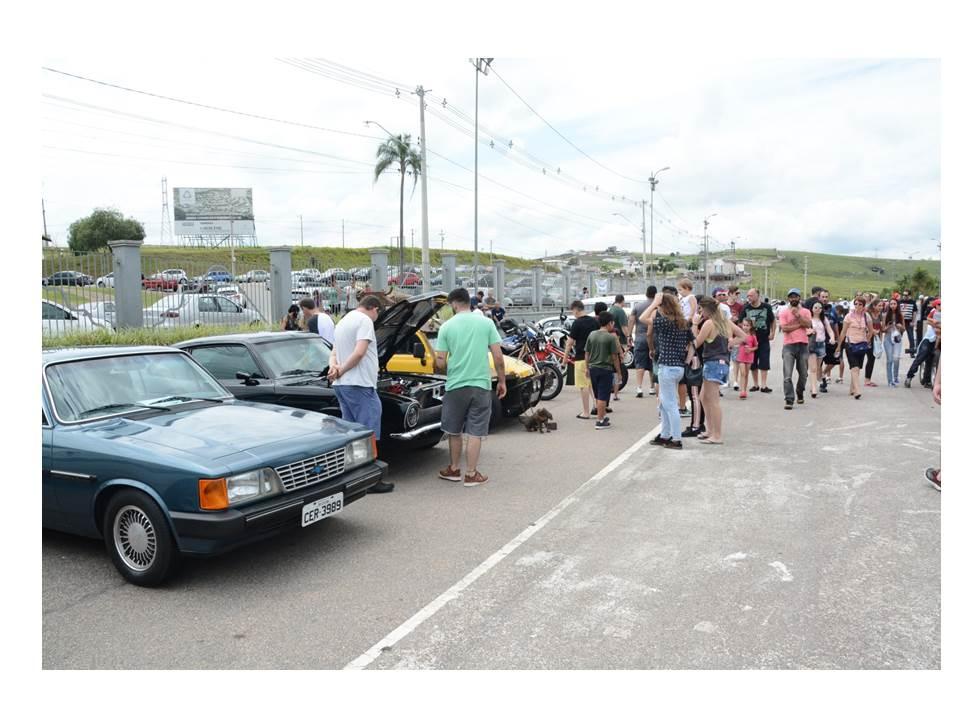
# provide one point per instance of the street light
(481, 65)
(706, 253)
(644, 235)
(653, 186)
(733, 246)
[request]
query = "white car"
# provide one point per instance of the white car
(233, 292)
(59, 319)
(175, 274)
(254, 276)
(103, 313)
(188, 309)
(105, 280)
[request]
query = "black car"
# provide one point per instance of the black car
(69, 277)
(290, 368)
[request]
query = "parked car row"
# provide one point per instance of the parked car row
(220, 441)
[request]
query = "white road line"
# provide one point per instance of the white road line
(431, 609)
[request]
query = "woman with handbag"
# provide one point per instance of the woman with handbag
(874, 310)
(672, 342)
(714, 336)
(892, 327)
(820, 334)
(858, 333)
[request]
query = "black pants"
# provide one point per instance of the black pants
(870, 361)
(924, 357)
(913, 345)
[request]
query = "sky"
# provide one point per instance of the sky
(837, 156)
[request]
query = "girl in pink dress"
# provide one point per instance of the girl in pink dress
(745, 354)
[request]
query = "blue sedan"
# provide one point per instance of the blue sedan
(144, 448)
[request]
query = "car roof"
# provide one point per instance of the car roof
(253, 338)
(52, 355)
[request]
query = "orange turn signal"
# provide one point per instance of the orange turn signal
(373, 442)
(213, 494)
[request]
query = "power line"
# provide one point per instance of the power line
(564, 137)
(203, 105)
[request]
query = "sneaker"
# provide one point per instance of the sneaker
(639, 393)
(871, 383)
(788, 405)
(381, 487)
(673, 445)
(684, 412)
(743, 394)
(657, 440)
(766, 390)
(691, 432)
(736, 386)
(448, 473)
(823, 386)
(755, 388)
(799, 398)
(601, 424)
(838, 381)
(593, 411)
(933, 477)
(906, 383)
(474, 480)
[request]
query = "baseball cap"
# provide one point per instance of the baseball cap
(936, 303)
(718, 290)
(793, 291)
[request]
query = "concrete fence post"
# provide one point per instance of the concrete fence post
(500, 276)
(449, 264)
(567, 295)
(378, 270)
(281, 282)
(127, 283)
(537, 287)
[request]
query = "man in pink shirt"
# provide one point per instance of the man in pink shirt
(794, 323)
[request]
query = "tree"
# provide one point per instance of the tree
(397, 150)
(100, 227)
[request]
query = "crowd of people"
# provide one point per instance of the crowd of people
(687, 346)
(691, 346)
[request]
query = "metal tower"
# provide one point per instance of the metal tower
(166, 228)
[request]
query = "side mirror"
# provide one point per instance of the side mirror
(420, 352)
(247, 378)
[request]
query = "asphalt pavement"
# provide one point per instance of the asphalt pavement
(807, 540)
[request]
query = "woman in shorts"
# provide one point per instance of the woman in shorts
(714, 336)
(820, 333)
(858, 333)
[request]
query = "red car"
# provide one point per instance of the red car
(409, 279)
(159, 282)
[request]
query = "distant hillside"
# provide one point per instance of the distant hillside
(841, 274)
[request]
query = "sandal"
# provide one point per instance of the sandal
(711, 441)
(583, 417)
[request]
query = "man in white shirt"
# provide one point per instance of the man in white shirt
(316, 320)
(354, 368)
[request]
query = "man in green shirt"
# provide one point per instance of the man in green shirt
(462, 346)
(603, 362)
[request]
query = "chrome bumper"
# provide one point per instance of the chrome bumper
(415, 433)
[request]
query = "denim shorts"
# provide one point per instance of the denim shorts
(820, 348)
(716, 371)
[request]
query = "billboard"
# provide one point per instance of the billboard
(205, 211)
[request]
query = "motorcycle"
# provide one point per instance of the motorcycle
(532, 347)
(557, 337)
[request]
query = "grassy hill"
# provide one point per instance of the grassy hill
(303, 257)
(841, 274)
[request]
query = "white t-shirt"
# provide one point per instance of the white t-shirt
(725, 309)
(353, 327)
(325, 327)
(686, 306)
(931, 332)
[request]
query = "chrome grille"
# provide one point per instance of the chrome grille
(299, 474)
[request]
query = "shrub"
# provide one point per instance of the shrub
(146, 336)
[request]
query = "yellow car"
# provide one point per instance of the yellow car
(523, 382)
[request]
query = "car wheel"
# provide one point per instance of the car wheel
(138, 539)
(552, 381)
(101, 284)
(624, 377)
(627, 358)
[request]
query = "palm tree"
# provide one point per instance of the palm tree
(397, 150)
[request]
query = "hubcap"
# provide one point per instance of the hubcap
(135, 538)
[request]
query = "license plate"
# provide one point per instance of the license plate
(320, 509)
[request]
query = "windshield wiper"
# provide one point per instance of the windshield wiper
(117, 406)
(301, 371)
(181, 398)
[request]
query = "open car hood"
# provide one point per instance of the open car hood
(399, 323)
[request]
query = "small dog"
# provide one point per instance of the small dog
(538, 421)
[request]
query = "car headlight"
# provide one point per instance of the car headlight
(412, 416)
(359, 452)
(220, 493)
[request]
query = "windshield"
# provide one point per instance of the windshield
(100, 387)
(295, 356)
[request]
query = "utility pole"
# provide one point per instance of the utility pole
(166, 229)
(441, 240)
(706, 255)
(343, 234)
(643, 234)
(481, 65)
(653, 186)
(765, 284)
(805, 264)
(425, 236)
(301, 230)
(43, 208)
